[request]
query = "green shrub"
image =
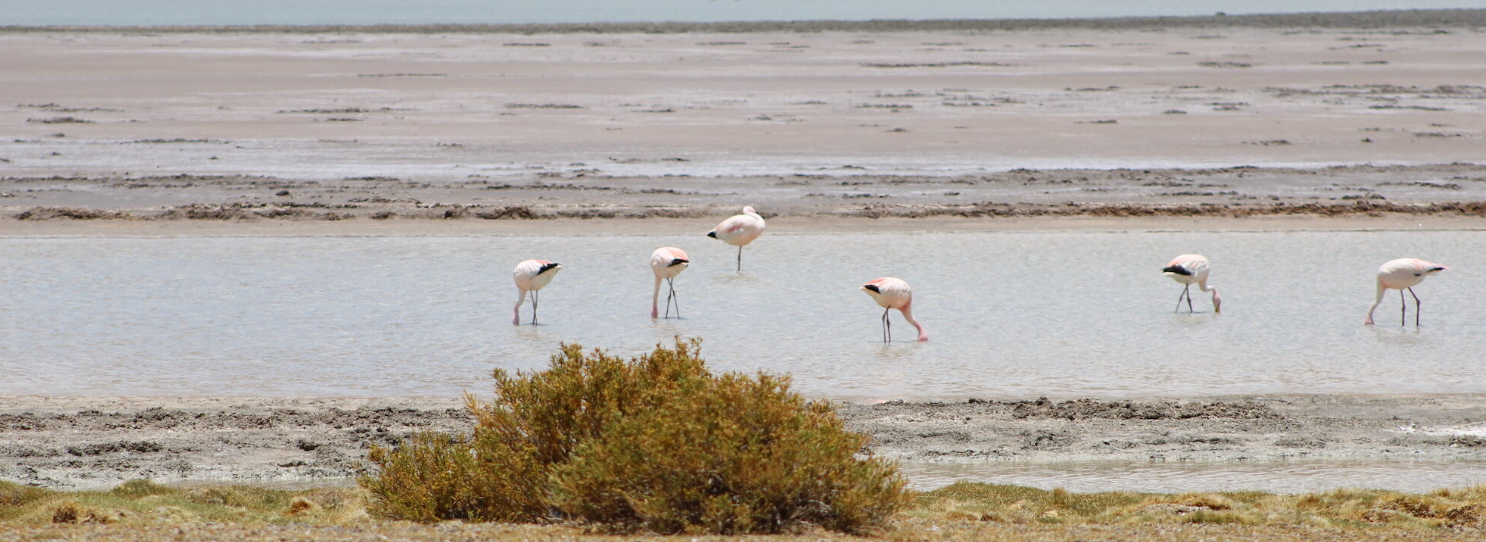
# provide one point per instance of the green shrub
(656, 442)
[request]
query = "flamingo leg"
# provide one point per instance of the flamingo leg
(1179, 299)
(1416, 305)
(1403, 315)
(534, 294)
(670, 297)
(740, 259)
(887, 327)
(669, 294)
(1189, 298)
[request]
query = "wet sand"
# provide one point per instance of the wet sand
(89, 442)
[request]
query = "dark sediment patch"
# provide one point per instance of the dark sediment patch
(1125, 210)
(1127, 410)
(70, 213)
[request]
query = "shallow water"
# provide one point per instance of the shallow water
(1282, 477)
(1060, 314)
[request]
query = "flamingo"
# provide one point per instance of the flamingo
(739, 230)
(1187, 269)
(531, 275)
(1403, 274)
(666, 263)
(892, 293)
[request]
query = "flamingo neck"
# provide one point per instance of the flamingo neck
(516, 311)
(1217, 301)
(907, 311)
(1381, 290)
(655, 299)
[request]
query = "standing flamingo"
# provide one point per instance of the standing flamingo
(739, 230)
(531, 275)
(1403, 274)
(891, 293)
(666, 263)
(1187, 269)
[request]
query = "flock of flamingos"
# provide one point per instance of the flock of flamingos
(893, 293)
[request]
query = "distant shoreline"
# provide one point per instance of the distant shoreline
(1449, 18)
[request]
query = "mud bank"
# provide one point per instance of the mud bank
(1448, 18)
(1237, 192)
(83, 442)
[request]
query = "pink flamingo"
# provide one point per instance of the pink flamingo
(891, 293)
(1403, 274)
(666, 263)
(531, 275)
(739, 230)
(1187, 269)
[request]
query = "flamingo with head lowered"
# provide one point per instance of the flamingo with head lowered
(1403, 274)
(1188, 269)
(666, 263)
(892, 293)
(531, 276)
(739, 230)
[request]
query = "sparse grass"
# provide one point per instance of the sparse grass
(143, 502)
(1346, 509)
(140, 510)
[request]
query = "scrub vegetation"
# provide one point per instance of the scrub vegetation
(657, 443)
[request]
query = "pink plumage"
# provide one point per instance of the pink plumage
(739, 230)
(666, 263)
(893, 293)
(1403, 274)
(531, 276)
(1190, 269)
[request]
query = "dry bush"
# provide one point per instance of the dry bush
(656, 442)
(71, 511)
(15, 495)
(140, 488)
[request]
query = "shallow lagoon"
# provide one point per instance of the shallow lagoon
(1009, 314)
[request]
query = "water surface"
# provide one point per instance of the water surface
(1009, 314)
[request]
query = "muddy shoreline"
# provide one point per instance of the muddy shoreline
(1237, 192)
(1449, 18)
(89, 442)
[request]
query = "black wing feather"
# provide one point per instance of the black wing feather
(1178, 270)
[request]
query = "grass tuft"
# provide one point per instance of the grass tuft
(141, 488)
(958, 512)
(15, 495)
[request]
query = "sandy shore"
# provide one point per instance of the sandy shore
(85, 442)
(1381, 115)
